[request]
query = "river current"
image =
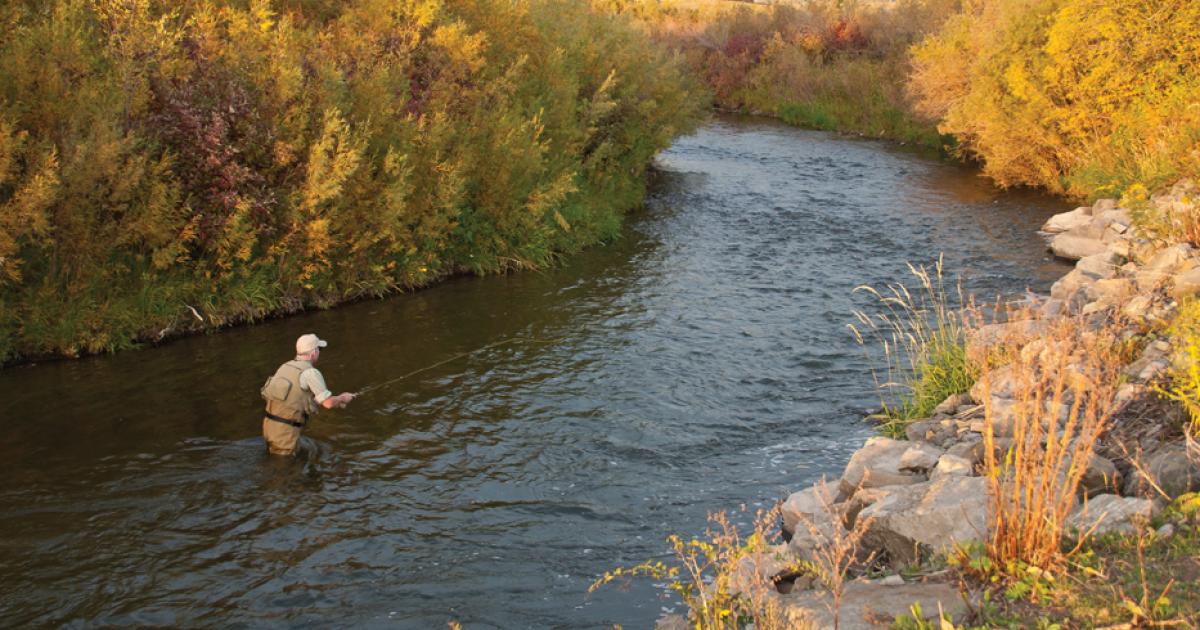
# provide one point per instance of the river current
(571, 419)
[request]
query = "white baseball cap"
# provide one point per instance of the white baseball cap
(308, 343)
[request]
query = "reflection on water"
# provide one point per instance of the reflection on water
(571, 420)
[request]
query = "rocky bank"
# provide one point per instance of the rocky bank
(924, 494)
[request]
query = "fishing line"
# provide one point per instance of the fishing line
(452, 359)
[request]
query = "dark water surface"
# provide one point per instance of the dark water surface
(700, 362)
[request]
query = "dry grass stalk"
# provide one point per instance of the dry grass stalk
(1062, 390)
(922, 336)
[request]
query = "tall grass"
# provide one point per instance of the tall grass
(921, 334)
(1063, 385)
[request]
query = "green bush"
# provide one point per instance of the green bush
(166, 166)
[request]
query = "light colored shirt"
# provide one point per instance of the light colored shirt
(312, 380)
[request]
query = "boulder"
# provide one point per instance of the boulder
(1103, 205)
(952, 465)
(754, 572)
(1065, 221)
(871, 605)
(1100, 477)
(1052, 308)
(970, 450)
(934, 515)
(1120, 248)
(1172, 468)
(1097, 266)
(877, 464)
(1108, 513)
(920, 458)
(1187, 283)
(1073, 288)
(1163, 265)
(1113, 290)
(813, 536)
(672, 622)
(1116, 219)
(999, 382)
(1137, 308)
(921, 430)
(989, 335)
(950, 406)
(812, 504)
(1074, 245)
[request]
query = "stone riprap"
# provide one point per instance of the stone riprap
(925, 493)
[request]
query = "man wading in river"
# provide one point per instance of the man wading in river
(294, 394)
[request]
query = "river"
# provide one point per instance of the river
(572, 418)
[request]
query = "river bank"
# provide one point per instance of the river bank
(1068, 433)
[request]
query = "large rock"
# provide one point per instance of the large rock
(1000, 382)
(952, 466)
(812, 504)
(1065, 221)
(1187, 283)
(1172, 468)
(1108, 513)
(1074, 245)
(1098, 266)
(1116, 219)
(877, 464)
(754, 572)
(1164, 265)
(989, 335)
(920, 458)
(870, 605)
(672, 622)
(1074, 288)
(949, 406)
(935, 515)
(1101, 476)
(1113, 290)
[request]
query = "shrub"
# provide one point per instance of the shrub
(165, 167)
(1086, 97)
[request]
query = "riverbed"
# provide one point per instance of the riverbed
(552, 425)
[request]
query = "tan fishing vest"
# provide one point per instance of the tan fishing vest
(285, 397)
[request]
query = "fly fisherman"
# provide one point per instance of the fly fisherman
(294, 394)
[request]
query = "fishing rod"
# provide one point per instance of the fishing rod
(452, 359)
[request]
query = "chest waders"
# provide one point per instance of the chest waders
(287, 402)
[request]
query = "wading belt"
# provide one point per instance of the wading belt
(298, 425)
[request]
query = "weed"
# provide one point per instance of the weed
(921, 334)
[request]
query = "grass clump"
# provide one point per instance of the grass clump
(921, 334)
(714, 575)
(1051, 405)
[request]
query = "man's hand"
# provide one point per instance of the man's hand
(339, 401)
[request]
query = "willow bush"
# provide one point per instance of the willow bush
(814, 63)
(166, 166)
(1086, 97)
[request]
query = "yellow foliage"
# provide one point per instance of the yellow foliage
(248, 157)
(1086, 97)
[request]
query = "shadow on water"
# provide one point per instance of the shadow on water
(572, 418)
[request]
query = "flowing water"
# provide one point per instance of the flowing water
(574, 417)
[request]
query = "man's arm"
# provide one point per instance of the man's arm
(315, 382)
